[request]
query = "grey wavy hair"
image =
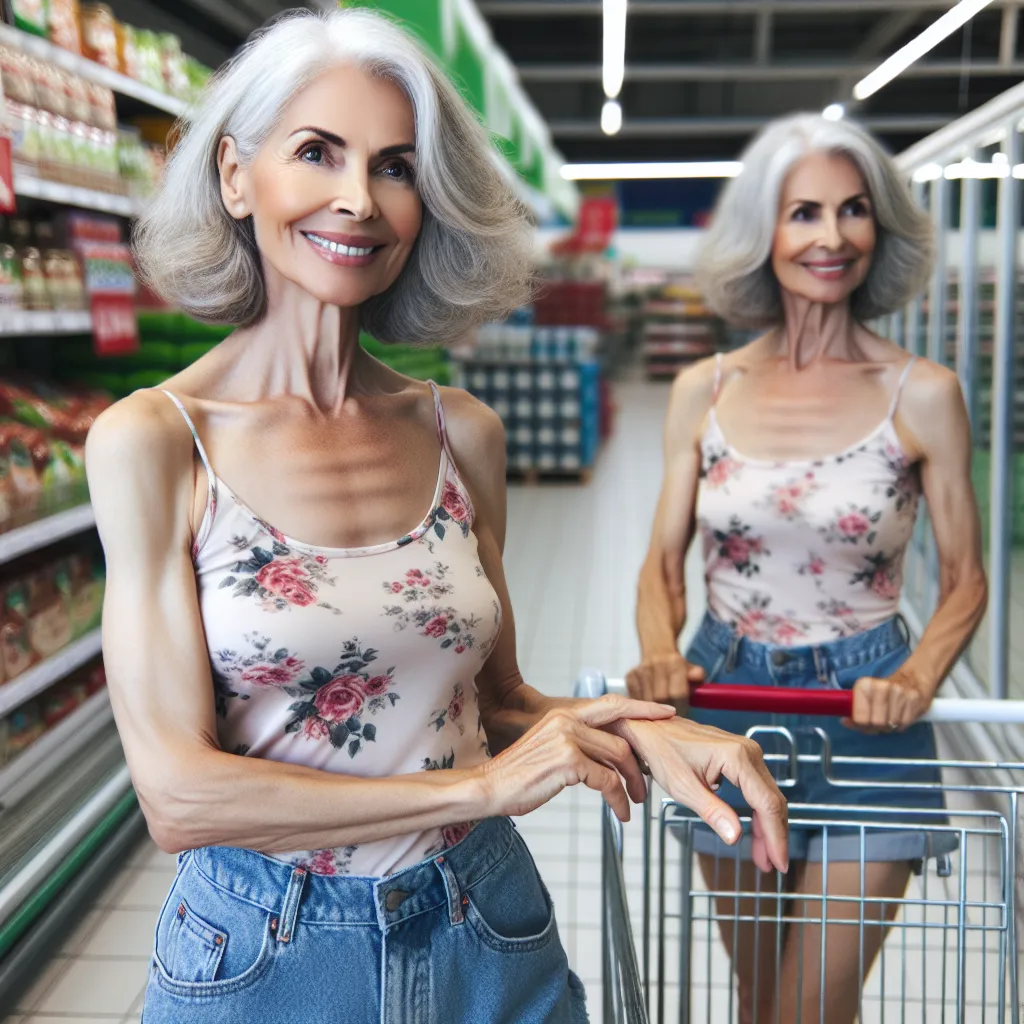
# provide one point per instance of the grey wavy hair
(734, 268)
(472, 260)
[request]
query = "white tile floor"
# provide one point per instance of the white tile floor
(572, 559)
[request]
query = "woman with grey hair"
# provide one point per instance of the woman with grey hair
(800, 460)
(310, 723)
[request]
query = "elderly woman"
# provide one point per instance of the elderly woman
(310, 722)
(800, 459)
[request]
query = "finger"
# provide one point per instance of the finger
(881, 695)
(678, 683)
(897, 706)
(605, 710)
(606, 782)
(695, 673)
(748, 772)
(718, 815)
(634, 684)
(861, 711)
(758, 847)
(614, 753)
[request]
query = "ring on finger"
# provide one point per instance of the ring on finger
(892, 727)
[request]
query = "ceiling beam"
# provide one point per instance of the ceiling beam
(716, 72)
(696, 127)
(563, 8)
(763, 38)
(1008, 35)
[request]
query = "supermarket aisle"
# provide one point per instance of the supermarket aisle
(572, 557)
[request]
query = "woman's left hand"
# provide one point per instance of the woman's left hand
(888, 705)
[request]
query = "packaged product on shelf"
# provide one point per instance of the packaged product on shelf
(82, 578)
(63, 24)
(49, 616)
(62, 700)
(30, 16)
(95, 679)
(172, 64)
(33, 280)
(99, 35)
(24, 726)
(10, 275)
(15, 645)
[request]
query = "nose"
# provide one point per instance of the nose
(354, 198)
(831, 237)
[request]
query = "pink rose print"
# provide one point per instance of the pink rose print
(273, 531)
(315, 729)
(322, 863)
(341, 699)
(377, 685)
(816, 566)
(396, 587)
(720, 470)
(883, 586)
(415, 574)
(460, 648)
(436, 627)
(853, 524)
(453, 502)
(280, 674)
(739, 549)
(455, 707)
(287, 578)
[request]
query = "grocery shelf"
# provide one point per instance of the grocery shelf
(46, 531)
(40, 677)
(43, 49)
(31, 187)
(53, 748)
(16, 323)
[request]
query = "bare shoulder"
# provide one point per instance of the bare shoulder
(932, 410)
(144, 429)
(930, 388)
(475, 430)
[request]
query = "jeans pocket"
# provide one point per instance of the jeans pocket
(209, 941)
(509, 908)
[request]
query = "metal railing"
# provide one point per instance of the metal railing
(968, 174)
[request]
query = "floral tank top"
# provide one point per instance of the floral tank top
(804, 552)
(360, 661)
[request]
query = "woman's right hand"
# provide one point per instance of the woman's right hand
(567, 747)
(664, 677)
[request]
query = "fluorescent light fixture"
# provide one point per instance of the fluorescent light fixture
(1000, 158)
(928, 172)
(1018, 171)
(833, 112)
(614, 47)
(611, 117)
(974, 169)
(616, 172)
(953, 19)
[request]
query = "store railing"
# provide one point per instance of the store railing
(968, 175)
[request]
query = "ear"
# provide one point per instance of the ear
(233, 179)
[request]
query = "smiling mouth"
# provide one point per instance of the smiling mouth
(338, 248)
(829, 270)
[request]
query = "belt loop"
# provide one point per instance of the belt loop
(819, 666)
(290, 910)
(903, 629)
(451, 885)
(733, 654)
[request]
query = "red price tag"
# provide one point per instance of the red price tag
(7, 204)
(114, 328)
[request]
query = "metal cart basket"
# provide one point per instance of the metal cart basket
(950, 949)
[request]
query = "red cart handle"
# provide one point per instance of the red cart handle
(772, 699)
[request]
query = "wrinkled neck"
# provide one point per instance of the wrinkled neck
(813, 331)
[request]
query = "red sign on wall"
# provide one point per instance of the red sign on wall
(114, 327)
(7, 204)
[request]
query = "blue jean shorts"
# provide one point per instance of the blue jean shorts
(728, 658)
(468, 936)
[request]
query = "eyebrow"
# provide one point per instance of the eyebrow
(814, 202)
(337, 140)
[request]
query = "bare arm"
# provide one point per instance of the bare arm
(661, 591)
(932, 411)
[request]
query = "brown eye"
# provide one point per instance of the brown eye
(313, 153)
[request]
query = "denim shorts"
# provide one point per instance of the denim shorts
(728, 658)
(468, 936)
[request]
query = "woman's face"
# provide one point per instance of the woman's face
(332, 191)
(825, 234)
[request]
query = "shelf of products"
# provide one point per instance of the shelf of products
(675, 327)
(44, 532)
(52, 323)
(30, 187)
(36, 680)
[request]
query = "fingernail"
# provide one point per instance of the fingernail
(728, 831)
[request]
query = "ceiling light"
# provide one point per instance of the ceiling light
(974, 169)
(615, 172)
(1000, 158)
(611, 117)
(833, 112)
(918, 47)
(928, 172)
(614, 47)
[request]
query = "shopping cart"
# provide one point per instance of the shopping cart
(951, 950)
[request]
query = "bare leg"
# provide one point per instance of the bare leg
(751, 947)
(800, 990)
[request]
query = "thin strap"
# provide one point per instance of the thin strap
(442, 430)
(718, 379)
(899, 386)
(211, 479)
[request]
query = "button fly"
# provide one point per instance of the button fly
(779, 658)
(395, 898)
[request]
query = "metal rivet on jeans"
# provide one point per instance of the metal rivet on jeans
(395, 898)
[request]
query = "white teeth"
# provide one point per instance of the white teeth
(337, 247)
